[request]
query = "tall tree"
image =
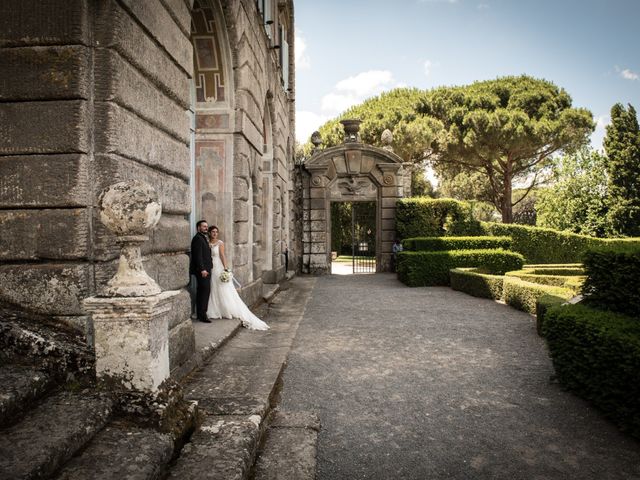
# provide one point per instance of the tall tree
(622, 145)
(577, 199)
(508, 129)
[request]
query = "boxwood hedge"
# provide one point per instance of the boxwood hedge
(524, 295)
(429, 217)
(470, 281)
(420, 269)
(596, 354)
(433, 244)
(557, 280)
(613, 279)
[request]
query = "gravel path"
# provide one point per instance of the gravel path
(429, 383)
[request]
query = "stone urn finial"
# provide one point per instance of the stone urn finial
(316, 140)
(129, 210)
(387, 140)
(351, 130)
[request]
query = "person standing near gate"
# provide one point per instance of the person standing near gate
(397, 248)
(200, 266)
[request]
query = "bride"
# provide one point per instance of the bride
(224, 301)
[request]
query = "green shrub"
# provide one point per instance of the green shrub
(545, 245)
(435, 244)
(483, 285)
(552, 280)
(596, 354)
(563, 271)
(524, 295)
(613, 279)
(420, 269)
(544, 303)
(428, 217)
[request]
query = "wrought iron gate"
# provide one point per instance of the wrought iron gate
(363, 237)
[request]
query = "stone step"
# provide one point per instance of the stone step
(269, 291)
(122, 451)
(21, 386)
(289, 449)
(52, 433)
(223, 448)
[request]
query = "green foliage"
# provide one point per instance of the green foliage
(341, 228)
(613, 278)
(508, 129)
(524, 295)
(470, 281)
(420, 269)
(596, 354)
(544, 303)
(545, 245)
(576, 202)
(434, 244)
(426, 217)
(553, 279)
(622, 144)
(420, 185)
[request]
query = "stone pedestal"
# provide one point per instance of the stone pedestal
(131, 340)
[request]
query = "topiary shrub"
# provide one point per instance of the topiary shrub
(421, 269)
(429, 217)
(435, 244)
(483, 285)
(524, 295)
(613, 279)
(544, 303)
(596, 354)
(548, 279)
(545, 245)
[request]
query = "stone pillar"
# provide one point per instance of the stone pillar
(130, 315)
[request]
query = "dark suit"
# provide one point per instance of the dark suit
(201, 260)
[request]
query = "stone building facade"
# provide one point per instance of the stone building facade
(194, 97)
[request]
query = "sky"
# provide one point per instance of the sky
(350, 50)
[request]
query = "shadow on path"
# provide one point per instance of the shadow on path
(417, 383)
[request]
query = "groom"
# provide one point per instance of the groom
(200, 266)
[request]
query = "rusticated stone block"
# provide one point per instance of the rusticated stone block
(241, 232)
(318, 225)
(388, 235)
(172, 234)
(52, 289)
(167, 33)
(180, 13)
(249, 130)
(125, 134)
(117, 80)
(240, 189)
(49, 234)
(318, 236)
(389, 213)
(174, 193)
(318, 215)
(44, 73)
(57, 22)
(318, 248)
(182, 343)
(171, 271)
(240, 211)
(66, 184)
(43, 127)
(389, 224)
(389, 202)
(116, 29)
(180, 310)
(241, 255)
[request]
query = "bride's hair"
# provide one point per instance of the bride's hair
(211, 228)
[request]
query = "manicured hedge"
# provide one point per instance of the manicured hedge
(544, 303)
(613, 279)
(483, 285)
(596, 354)
(428, 217)
(550, 279)
(524, 295)
(545, 245)
(420, 269)
(435, 244)
(556, 270)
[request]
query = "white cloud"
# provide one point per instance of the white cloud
(629, 75)
(355, 89)
(427, 68)
(307, 123)
(303, 61)
(600, 131)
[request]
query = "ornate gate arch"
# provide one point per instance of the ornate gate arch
(351, 172)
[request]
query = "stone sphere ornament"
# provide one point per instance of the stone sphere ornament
(129, 210)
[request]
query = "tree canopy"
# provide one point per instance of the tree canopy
(622, 145)
(506, 129)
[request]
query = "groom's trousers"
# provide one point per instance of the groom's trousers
(203, 288)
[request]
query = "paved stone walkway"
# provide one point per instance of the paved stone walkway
(429, 383)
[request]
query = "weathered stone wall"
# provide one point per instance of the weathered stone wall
(93, 92)
(96, 92)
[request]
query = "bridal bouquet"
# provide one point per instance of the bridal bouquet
(225, 276)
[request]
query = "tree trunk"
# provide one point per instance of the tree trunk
(507, 207)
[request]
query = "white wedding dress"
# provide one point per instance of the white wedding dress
(224, 301)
